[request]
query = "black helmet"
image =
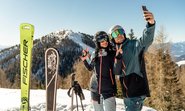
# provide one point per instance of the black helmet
(99, 36)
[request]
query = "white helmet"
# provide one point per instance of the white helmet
(115, 27)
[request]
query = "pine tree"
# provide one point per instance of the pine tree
(166, 92)
(181, 72)
(173, 91)
(82, 74)
(3, 80)
(153, 69)
(131, 34)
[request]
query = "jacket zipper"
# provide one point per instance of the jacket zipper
(123, 69)
(100, 76)
(111, 77)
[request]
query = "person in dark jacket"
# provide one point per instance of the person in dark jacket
(102, 84)
(129, 63)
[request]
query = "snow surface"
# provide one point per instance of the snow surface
(10, 101)
(181, 63)
(76, 37)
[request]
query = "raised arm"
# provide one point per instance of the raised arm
(148, 33)
(88, 60)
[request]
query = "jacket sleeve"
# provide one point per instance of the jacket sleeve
(89, 63)
(90, 66)
(147, 38)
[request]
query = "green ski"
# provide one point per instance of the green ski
(26, 44)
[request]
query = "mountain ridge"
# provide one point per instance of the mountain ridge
(68, 43)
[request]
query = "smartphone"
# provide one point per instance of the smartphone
(144, 8)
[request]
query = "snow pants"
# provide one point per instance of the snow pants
(134, 104)
(101, 104)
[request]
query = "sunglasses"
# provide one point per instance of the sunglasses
(102, 38)
(117, 32)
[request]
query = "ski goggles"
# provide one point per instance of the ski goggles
(117, 32)
(102, 38)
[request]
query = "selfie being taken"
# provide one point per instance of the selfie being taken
(92, 55)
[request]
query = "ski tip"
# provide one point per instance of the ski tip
(26, 26)
(73, 74)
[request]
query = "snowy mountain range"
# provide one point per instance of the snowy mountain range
(178, 51)
(2, 47)
(69, 44)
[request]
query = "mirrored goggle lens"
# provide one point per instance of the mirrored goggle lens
(114, 34)
(117, 32)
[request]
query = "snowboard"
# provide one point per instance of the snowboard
(51, 72)
(26, 44)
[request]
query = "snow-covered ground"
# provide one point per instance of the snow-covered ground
(181, 63)
(10, 101)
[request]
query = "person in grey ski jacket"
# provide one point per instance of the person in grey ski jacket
(129, 63)
(102, 84)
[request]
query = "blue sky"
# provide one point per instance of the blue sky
(89, 16)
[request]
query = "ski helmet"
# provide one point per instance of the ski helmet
(114, 28)
(100, 36)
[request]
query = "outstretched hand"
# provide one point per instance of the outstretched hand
(85, 54)
(148, 17)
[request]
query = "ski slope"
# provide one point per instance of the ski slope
(10, 101)
(181, 63)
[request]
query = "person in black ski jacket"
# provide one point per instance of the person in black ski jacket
(102, 84)
(129, 63)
